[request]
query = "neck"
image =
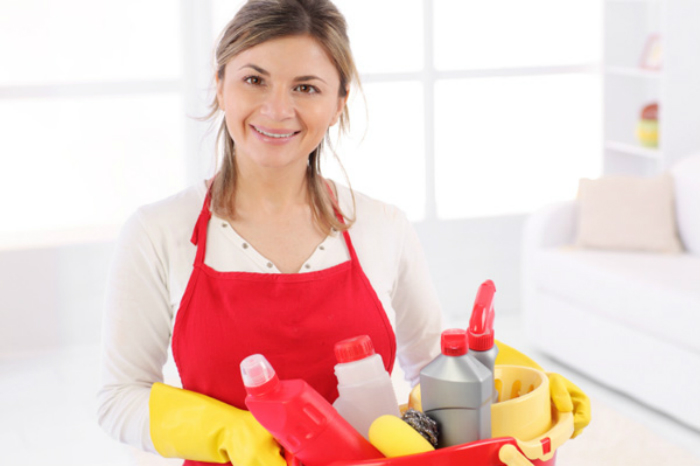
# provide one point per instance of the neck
(270, 191)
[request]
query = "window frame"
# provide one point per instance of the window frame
(196, 89)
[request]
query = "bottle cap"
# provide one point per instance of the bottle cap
(257, 372)
(454, 342)
(354, 349)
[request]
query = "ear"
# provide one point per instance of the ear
(219, 91)
(342, 102)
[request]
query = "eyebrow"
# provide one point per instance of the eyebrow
(264, 72)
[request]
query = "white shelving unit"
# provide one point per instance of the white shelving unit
(628, 87)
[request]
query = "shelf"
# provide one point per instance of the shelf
(633, 149)
(630, 28)
(631, 71)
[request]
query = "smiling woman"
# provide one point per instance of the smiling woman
(280, 269)
(276, 111)
(301, 64)
(276, 120)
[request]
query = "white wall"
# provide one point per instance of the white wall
(463, 253)
(53, 297)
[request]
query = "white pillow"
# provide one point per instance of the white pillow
(629, 213)
(686, 180)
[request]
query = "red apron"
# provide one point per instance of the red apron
(294, 320)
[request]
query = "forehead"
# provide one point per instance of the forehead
(293, 56)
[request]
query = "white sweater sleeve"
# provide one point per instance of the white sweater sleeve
(418, 311)
(135, 335)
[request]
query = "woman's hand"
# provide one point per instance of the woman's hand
(189, 425)
(568, 397)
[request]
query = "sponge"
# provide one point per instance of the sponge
(414, 399)
(393, 437)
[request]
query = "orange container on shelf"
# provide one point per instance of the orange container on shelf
(530, 429)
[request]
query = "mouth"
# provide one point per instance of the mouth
(276, 134)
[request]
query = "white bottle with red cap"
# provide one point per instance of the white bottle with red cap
(456, 391)
(364, 386)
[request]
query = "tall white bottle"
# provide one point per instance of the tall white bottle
(364, 386)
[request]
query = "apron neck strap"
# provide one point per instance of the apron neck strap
(199, 235)
(346, 235)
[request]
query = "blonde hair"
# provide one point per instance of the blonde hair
(259, 21)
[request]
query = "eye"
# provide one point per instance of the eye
(307, 89)
(254, 80)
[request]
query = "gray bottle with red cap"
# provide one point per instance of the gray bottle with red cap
(456, 391)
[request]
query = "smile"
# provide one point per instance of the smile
(274, 135)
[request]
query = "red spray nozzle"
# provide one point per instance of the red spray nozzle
(481, 322)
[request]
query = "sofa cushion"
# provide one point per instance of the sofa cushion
(627, 213)
(656, 294)
(686, 177)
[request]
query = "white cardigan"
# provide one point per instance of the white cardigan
(152, 265)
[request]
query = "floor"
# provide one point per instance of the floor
(47, 408)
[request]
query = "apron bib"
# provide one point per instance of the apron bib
(294, 320)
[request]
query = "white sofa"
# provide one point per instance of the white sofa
(628, 319)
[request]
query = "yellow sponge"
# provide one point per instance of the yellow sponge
(393, 437)
(414, 399)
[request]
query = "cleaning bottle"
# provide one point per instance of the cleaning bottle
(480, 332)
(301, 420)
(364, 386)
(456, 391)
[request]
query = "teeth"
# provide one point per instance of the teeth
(273, 135)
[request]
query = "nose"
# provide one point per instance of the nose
(278, 104)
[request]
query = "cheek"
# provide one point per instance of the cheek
(324, 116)
(237, 109)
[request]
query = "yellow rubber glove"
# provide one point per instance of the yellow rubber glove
(566, 396)
(189, 425)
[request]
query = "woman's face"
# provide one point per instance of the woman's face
(279, 98)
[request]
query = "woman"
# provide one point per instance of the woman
(285, 263)
(275, 270)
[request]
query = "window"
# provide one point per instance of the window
(385, 153)
(472, 108)
(476, 108)
(508, 145)
(92, 114)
